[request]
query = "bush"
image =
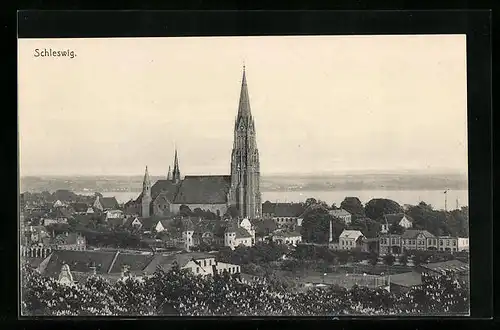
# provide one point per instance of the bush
(179, 292)
(389, 259)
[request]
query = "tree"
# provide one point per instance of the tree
(373, 258)
(396, 229)
(389, 259)
(376, 208)
(311, 201)
(231, 212)
(185, 211)
(316, 226)
(354, 206)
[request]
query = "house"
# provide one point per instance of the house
(79, 208)
(398, 218)
(105, 203)
(38, 235)
(287, 237)
(448, 243)
(463, 244)
(342, 215)
(285, 215)
(113, 214)
(69, 241)
(114, 265)
(58, 203)
(239, 233)
(59, 215)
(403, 282)
(350, 239)
(133, 222)
(418, 240)
(90, 210)
(389, 244)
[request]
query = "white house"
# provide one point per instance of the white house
(398, 218)
(58, 203)
(350, 239)
(239, 233)
(287, 237)
(463, 244)
(341, 214)
(114, 214)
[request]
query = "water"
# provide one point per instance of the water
(433, 197)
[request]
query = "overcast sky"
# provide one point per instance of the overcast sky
(321, 104)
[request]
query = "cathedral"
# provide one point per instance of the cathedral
(215, 193)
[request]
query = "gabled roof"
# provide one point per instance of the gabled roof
(130, 220)
(396, 218)
(79, 261)
(351, 234)
(108, 202)
(339, 213)
(135, 262)
(283, 209)
(242, 233)
(413, 233)
(166, 188)
(203, 190)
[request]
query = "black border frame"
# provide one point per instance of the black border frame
(476, 24)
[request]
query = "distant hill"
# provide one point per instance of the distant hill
(268, 182)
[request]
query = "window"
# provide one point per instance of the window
(440, 242)
(197, 270)
(454, 243)
(447, 242)
(210, 262)
(204, 263)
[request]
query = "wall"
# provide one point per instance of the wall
(231, 269)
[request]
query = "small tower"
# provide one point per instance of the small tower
(169, 175)
(146, 195)
(230, 235)
(330, 239)
(176, 175)
(187, 234)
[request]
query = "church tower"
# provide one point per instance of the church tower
(176, 175)
(146, 195)
(245, 165)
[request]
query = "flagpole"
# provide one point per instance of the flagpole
(445, 201)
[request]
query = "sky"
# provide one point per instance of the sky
(321, 104)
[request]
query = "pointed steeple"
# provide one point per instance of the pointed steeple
(169, 175)
(146, 178)
(146, 195)
(176, 177)
(244, 105)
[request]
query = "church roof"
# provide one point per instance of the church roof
(203, 190)
(109, 202)
(166, 187)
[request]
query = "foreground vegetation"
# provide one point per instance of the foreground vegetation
(179, 292)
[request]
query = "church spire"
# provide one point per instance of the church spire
(169, 175)
(177, 173)
(146, 180)
(244, 106)
(146, 195)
